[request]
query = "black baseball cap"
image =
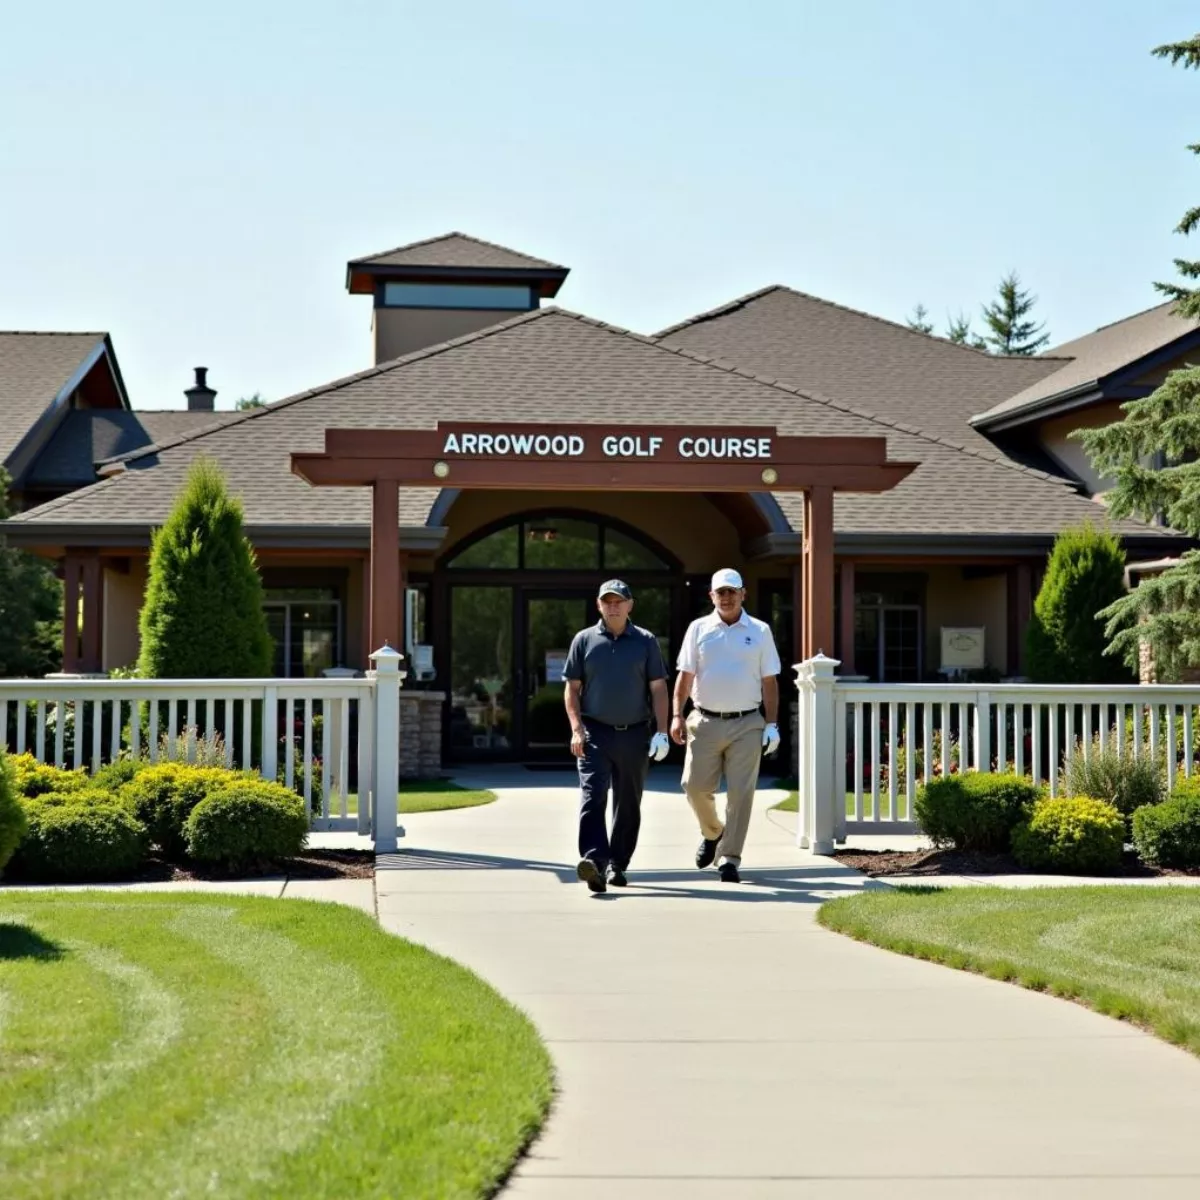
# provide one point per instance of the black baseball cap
(615, 587)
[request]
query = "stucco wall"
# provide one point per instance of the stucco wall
(122, 603)
(953, 601)
(400, 331)
(1054, 436)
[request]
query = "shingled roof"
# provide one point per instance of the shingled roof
(456, 250)
(875, 365)
(34, 370)
(1093, 358)
(552, 365)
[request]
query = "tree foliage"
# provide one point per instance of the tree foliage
(1011, 330)
(30, 608)
(203, 614)
(958, 330)
(245, 403)
(1066, 640)
(1153, 456)
(919, 320)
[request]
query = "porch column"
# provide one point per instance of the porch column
(387, 578)
(71, 572)
(846, 581)
(91, 657)
(818, 600)
(1020, 610)
(799, 610)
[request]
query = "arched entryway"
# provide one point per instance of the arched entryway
(511, 595)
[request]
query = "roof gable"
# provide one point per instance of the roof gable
(458, 250)
(557, 367)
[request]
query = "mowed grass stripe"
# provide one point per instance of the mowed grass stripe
(318, 1057)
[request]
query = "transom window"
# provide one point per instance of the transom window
(518, 297)
(558, 543)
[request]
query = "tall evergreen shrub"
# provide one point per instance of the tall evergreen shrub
(203, 614)
(1066, 640)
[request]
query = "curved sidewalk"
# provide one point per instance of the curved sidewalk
(713, 1041)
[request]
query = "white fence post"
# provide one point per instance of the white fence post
(386, 774)
(983, 734)
(804, 812)
(822, 783)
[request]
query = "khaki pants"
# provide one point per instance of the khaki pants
(729, 746)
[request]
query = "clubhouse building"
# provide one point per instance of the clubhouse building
(934, 553)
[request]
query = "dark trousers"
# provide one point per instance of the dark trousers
(616, 759)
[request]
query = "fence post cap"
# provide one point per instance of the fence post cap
(387, 660)
(822, 666)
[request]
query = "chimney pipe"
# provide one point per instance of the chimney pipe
(200, 397)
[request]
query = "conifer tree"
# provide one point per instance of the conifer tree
(919, 320)
(1011, 330)
(1065, 641)
(1153, 454)
(203, 614)
(958, 329)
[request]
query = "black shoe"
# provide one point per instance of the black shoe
(617, 877)
(729, 873)
(706, 852)
(591, 875)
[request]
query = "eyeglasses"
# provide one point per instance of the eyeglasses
(727, 591)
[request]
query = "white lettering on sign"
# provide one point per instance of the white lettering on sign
(563, 445)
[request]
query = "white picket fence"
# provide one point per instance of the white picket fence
(864, 749)
(334, 741)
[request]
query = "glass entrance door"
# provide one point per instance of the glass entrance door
(551, 621)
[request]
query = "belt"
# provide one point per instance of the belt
(620, 728)
(708, 712)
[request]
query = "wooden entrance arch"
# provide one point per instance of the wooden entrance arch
(665, 458)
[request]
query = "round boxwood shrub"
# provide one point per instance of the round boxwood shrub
(114, 775)
(34, 778)
(12, 815)
(974, 811)
(163, 796)
(72, 842)
(1071, 833)
(247, 824)
(1168, 834)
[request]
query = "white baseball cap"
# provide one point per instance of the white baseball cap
(726, 577)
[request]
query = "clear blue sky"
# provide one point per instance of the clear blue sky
(194, 178)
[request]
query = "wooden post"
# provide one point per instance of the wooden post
(71, 571)
(387, 599)
(93, 615)
(818, 533)
(1020, 610)
(846, 580)
(799, 604)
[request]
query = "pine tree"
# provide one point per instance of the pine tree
(1066, 641)
(958, 329)
(919, 320)
(30, 609)
(203, 614)
(1007, 317)
(1153, 454)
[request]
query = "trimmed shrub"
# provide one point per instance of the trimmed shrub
(1071, 833)
(114, 775)
(247, 824)
(84, 797)
(72, 842)
(1168, 834)
(12, 815)
(1065, 641)
(1126, 782)
(203, 616)
(34, 778)
(974, 811)
(162, 798)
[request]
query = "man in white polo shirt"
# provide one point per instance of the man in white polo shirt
(728, 666)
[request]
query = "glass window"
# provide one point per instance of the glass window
(623, 553)
(306, 627)
(558, 543)
(481, 670)
(458, 295)
(496, 551)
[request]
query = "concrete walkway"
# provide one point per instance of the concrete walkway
(713, 1040)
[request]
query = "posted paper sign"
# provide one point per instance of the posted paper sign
(556, 664)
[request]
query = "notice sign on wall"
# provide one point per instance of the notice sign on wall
(556, 664)
(598, 443)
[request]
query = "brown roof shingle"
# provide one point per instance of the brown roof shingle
(456, 250)
(1096, 355)
(34, 368)
(555, 366)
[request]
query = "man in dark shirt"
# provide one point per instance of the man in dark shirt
(614, 672)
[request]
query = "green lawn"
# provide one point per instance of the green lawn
(183, 1045)
(426, 795)
(1128, 952)
(792, 804)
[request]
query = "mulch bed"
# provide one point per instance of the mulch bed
(312, 864)
(932, 863)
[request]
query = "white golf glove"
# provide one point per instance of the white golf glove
(659, 746)
(771, 738)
